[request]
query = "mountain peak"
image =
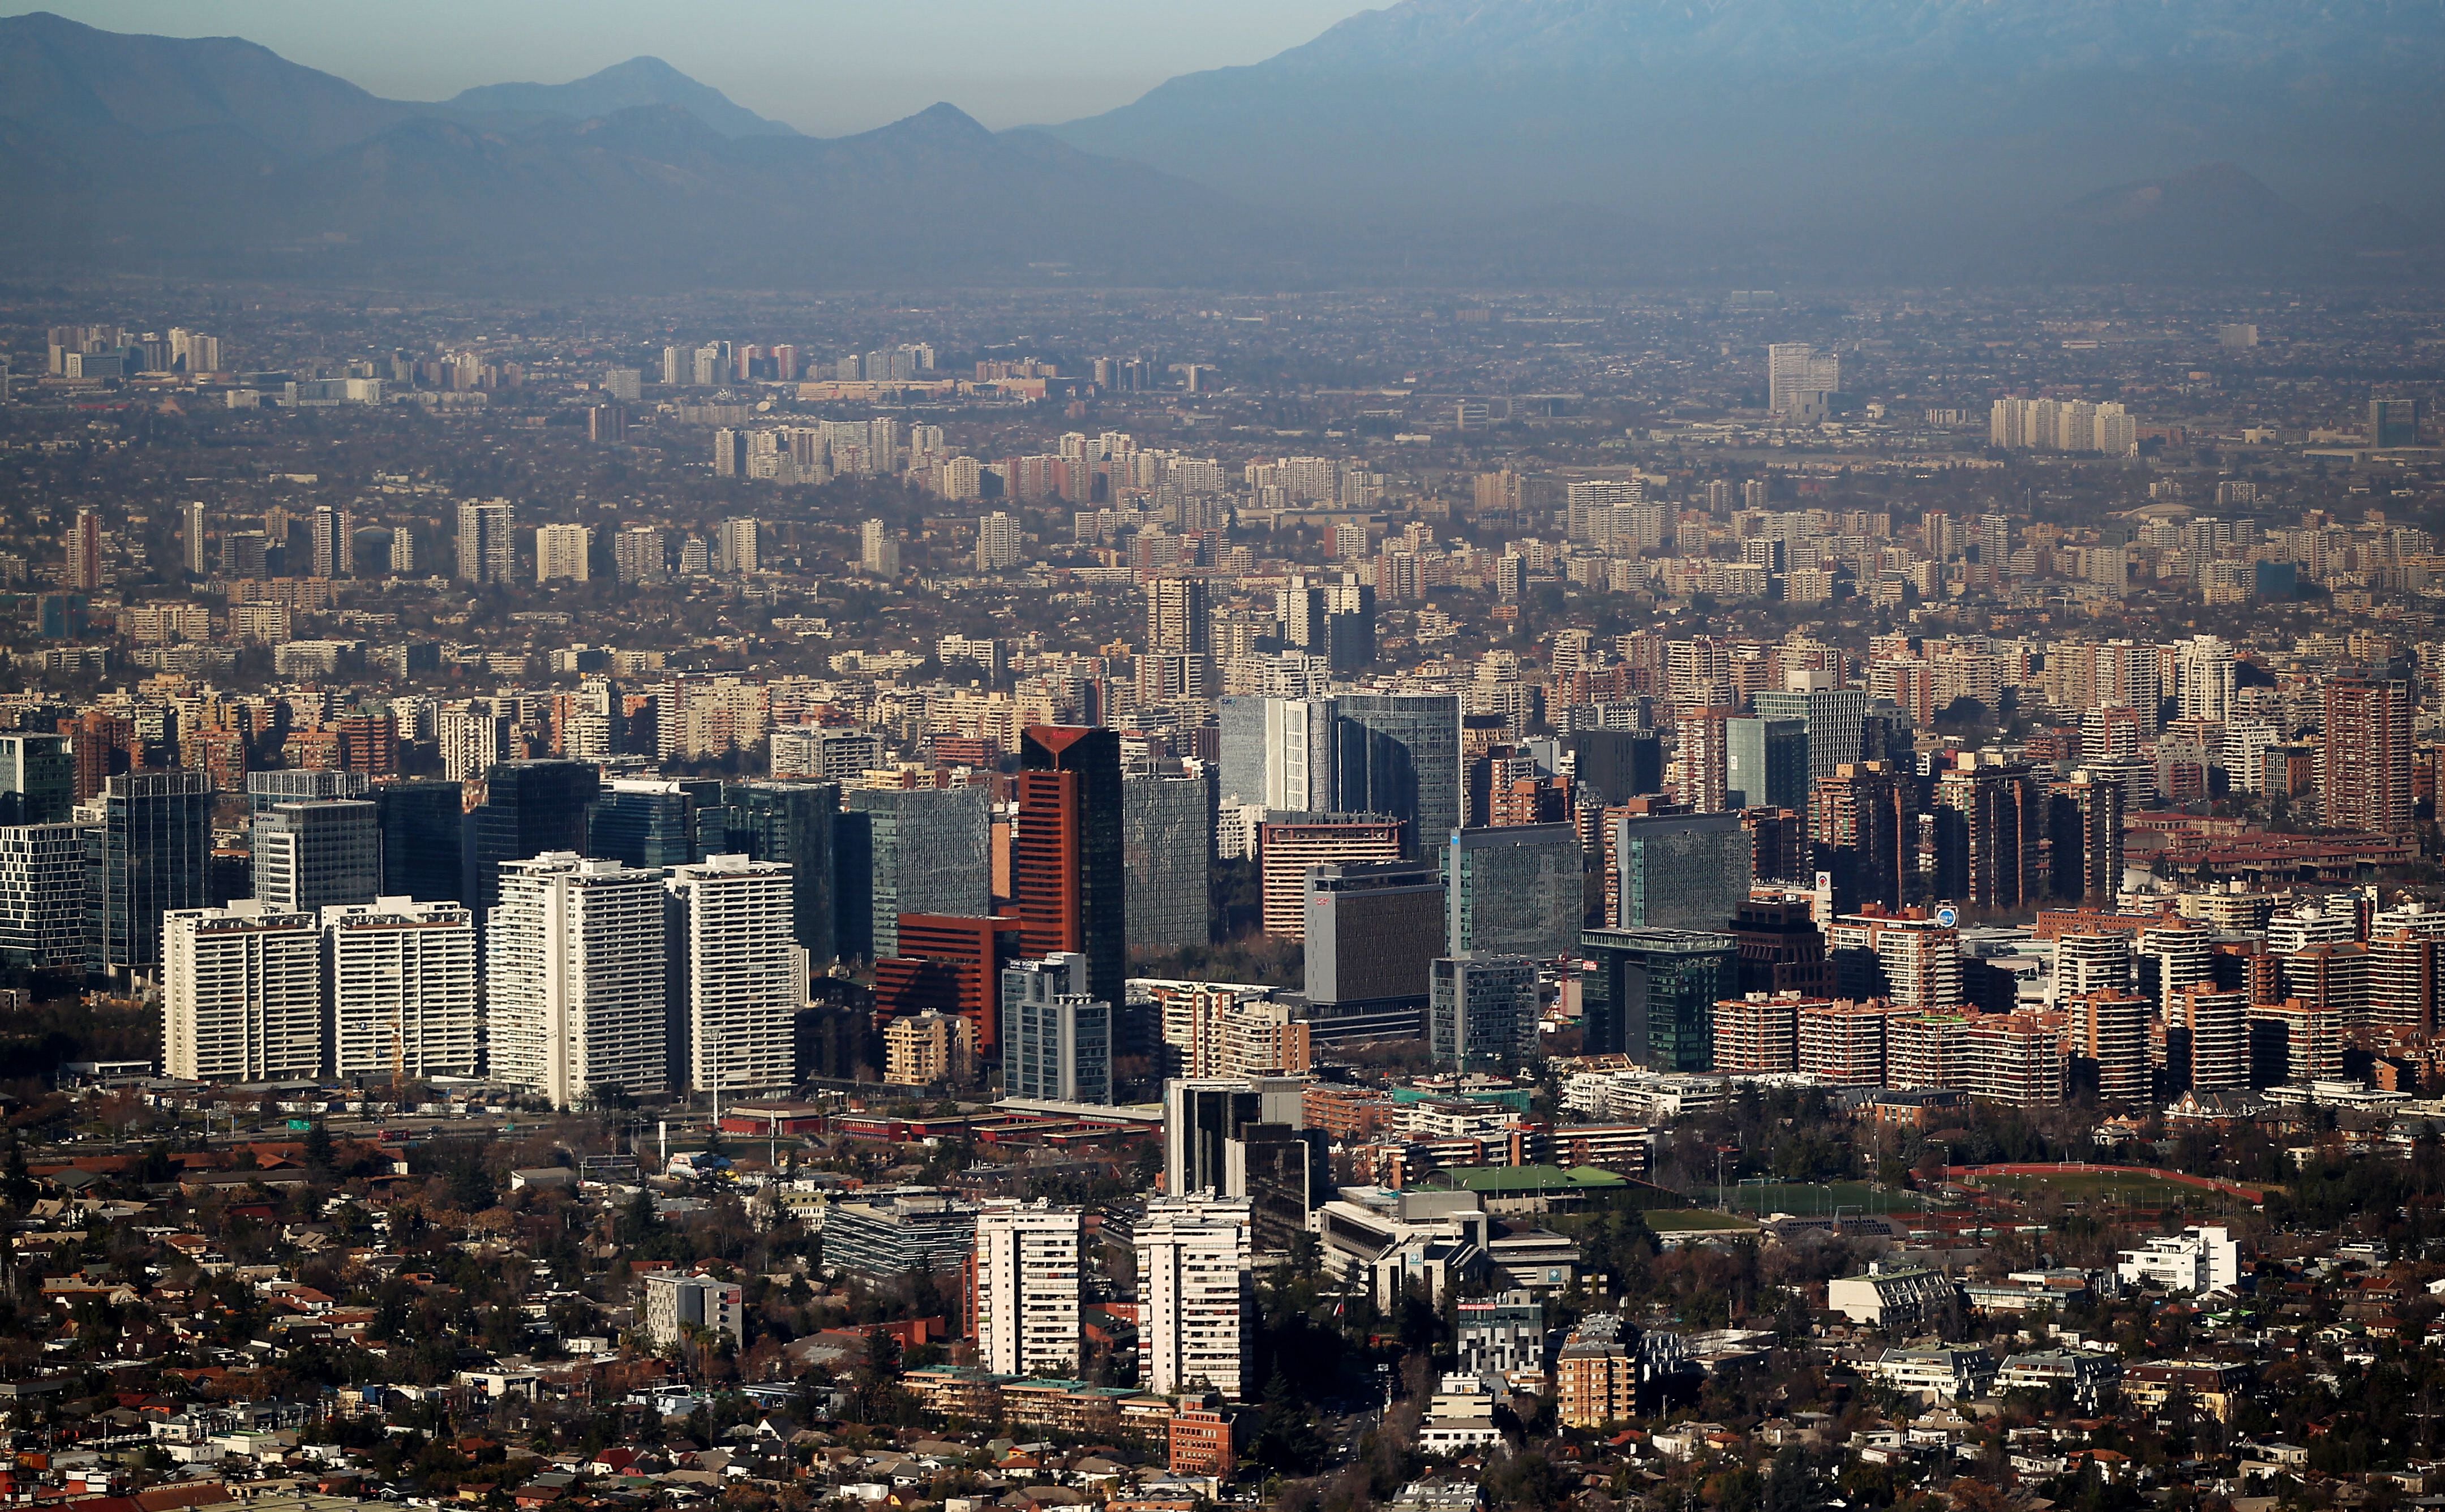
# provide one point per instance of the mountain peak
(641, 81)
(941, 123)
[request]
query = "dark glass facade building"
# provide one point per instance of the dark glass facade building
(148, 850)
(422, 829)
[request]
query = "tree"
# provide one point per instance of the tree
(1291, 1439)
(318, 1149)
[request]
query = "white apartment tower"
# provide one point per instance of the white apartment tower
(576, 977)
(1195, 1295)
(2087, 964)
(878, 553)
(739, 978)
(486, 551)
(735, 547)
(2205, 669)
(1027, 1282)
(200, 565)
(1794, 369)
(242, 994)
(402, 989)
(998, 542)
(561, 552)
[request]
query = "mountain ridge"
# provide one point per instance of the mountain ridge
(641, 81)
(1859, 127)
(225, 160)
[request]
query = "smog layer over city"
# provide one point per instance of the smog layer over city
(1627, 755)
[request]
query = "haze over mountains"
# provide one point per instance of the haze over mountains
(624, 87)
(1463, 141)
(218, 157)
(1849, 130)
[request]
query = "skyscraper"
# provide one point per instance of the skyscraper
(1482, 1013)
(267, 791)
(334, 543)
(737, 979)
(1680, 871)
(1027, 1274)
(2368, 769)
(735, 547)
(575, 977)
(2206, 667)
(148, 851)
(42, 896)
(84, 574)
(1514, 890)
(2086, 963)
(1619, 765)
(241, 994)
(1651, 994)
(1398, 754)
(1166, 852)
(1065, 867)
(37, 779)
(1057, 1041)
(401, 990)
(422, 840)
(1766, 763)
(200, 562)
(530, 808)
(1988, 820)
(2108, 1040)
(878, 551)
(2207, 1038)
(1798, 373)
(1178, 618)
(639, 556)
(1865, 834)
(999, 544)
(313, 856)
(1373, 932)
(1201, 1117)
(792, 823)
(645, 823)
(1196, 1291)
(2393, 423)
(2084, 823)
(487, 552)
(915, 851)
(1836, 720)
(562, 551)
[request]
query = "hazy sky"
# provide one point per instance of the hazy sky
(827, 66)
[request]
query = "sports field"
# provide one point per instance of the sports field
(1691, 1220)
(2106, 1189)
(1820, 1199)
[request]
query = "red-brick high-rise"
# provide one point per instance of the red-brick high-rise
(1066, 851)
(2368, 754)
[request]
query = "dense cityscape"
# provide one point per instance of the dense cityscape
(1153, 902)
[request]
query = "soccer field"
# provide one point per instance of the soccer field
(1820, 1199)
(2108, 1189)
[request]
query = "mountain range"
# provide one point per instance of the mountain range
(1824, 134)
(623, 86)
(1473, 141)
(217, 157)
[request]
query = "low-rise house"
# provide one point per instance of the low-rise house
(1899, 1300)
(1943, 1373)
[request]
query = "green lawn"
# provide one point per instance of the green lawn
(2114, 1188)
(1819, 1199)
